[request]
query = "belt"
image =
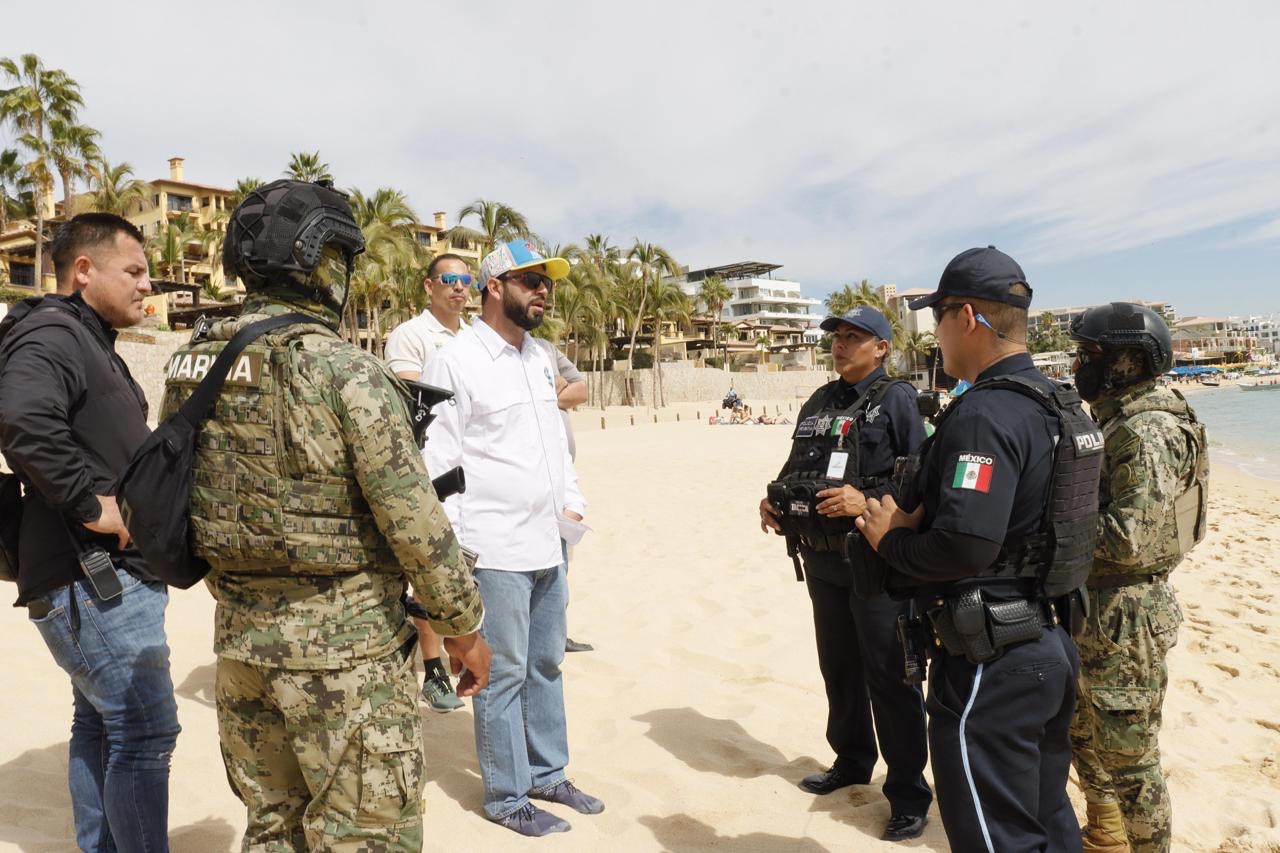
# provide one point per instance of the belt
(1118, 581)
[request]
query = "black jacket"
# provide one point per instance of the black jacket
(71, 417)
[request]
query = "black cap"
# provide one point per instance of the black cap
(863, 317)
(982, 274)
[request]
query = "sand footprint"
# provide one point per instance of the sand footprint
(1229, 670)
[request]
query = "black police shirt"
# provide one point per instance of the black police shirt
(986, 475)
(895, 430)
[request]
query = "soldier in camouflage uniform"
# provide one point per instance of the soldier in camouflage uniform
(1153, 492)
(311, 501)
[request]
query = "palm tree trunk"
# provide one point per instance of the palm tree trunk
(66, 192)
(40, 245)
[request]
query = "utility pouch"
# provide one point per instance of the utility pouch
(101, 572)
(1014, 622)
(969, 616)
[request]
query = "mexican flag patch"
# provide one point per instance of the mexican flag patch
(973, 471)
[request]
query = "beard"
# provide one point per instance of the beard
(521, 315)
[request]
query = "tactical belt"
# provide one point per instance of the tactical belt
(1118, 581)
(980, 631)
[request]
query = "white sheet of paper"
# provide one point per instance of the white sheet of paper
(571, 531)
(836, 465)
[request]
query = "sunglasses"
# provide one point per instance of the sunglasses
(530, 279)
(449, 279)
(940, 311)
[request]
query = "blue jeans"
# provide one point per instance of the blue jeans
(125, 721)
(521, 739)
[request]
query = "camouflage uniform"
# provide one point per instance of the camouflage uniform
(311, 501)
(1133, 621)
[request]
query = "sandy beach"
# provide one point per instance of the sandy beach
(702, 705)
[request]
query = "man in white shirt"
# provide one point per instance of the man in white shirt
(503, 426)
(408, 348)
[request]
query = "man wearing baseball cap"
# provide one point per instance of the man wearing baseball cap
(503, 427)
(848, 436)
(996, 568)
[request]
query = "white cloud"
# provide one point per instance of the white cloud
(844, 140)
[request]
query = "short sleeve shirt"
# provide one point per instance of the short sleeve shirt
(414, 341)
(988, 471)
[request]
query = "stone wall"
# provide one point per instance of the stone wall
(687, 384)
(147, 360)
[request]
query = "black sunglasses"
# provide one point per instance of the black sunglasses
(530, 279)
(940, 311)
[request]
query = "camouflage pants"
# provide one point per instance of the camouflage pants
(324, 759)
(1114, 736)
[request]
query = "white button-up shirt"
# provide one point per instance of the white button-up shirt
(504, 428)
(414, 341)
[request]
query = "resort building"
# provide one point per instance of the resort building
(1061, 318)
(1266, 329)
(1211, 340)
(758, 297)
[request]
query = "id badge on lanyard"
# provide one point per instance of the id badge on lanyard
(837, 464)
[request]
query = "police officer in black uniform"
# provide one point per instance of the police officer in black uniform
(847, 437)
(987, 556)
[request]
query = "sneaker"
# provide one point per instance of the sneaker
(533, 821)
(439, 694)
(567, 794)
(575, 646)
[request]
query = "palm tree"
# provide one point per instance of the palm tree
(244, 186)
(112, 191)
(916, 346)
(650, 263)
(667, 302)
(498, 223)
(387, 221)
(73, 147)
(307, 167)
(169, 245)
(600, 253)
(11, 181)
(714, 293)
(37, 94)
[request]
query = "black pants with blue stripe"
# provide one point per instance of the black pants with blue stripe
(1000, 748)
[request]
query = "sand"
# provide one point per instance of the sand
(702, 705)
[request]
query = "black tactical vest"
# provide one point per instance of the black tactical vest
(817, 437)
(1060, 555)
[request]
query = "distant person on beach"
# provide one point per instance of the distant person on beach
(1153, 496)
(503, 426)
(997, 568)
(409, 346)
(71, 418)
(322, 514)
(850, 432)
(571, 392)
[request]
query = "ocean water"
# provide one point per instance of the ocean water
(1243, 428)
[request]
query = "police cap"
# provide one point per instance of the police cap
(987, 274)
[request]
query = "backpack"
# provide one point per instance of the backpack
(155, 489)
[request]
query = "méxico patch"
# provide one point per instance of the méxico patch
(973, 471)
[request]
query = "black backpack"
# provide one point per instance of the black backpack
(155, 489)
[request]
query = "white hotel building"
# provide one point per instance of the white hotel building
(757, 297)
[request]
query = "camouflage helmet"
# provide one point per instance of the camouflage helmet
(1124, 325)
(282, 232)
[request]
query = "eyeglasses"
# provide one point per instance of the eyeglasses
(450, 279)
(940, 311)
(530, 279)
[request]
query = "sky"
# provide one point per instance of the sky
(1116, 150)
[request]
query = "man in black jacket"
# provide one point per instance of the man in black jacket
(71, 417)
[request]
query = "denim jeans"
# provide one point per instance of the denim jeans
(125, 720)
(521, 739)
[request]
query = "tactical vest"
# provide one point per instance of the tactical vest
(1192, 502)
(272, 489)
(1060, 554)
(816, 438)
